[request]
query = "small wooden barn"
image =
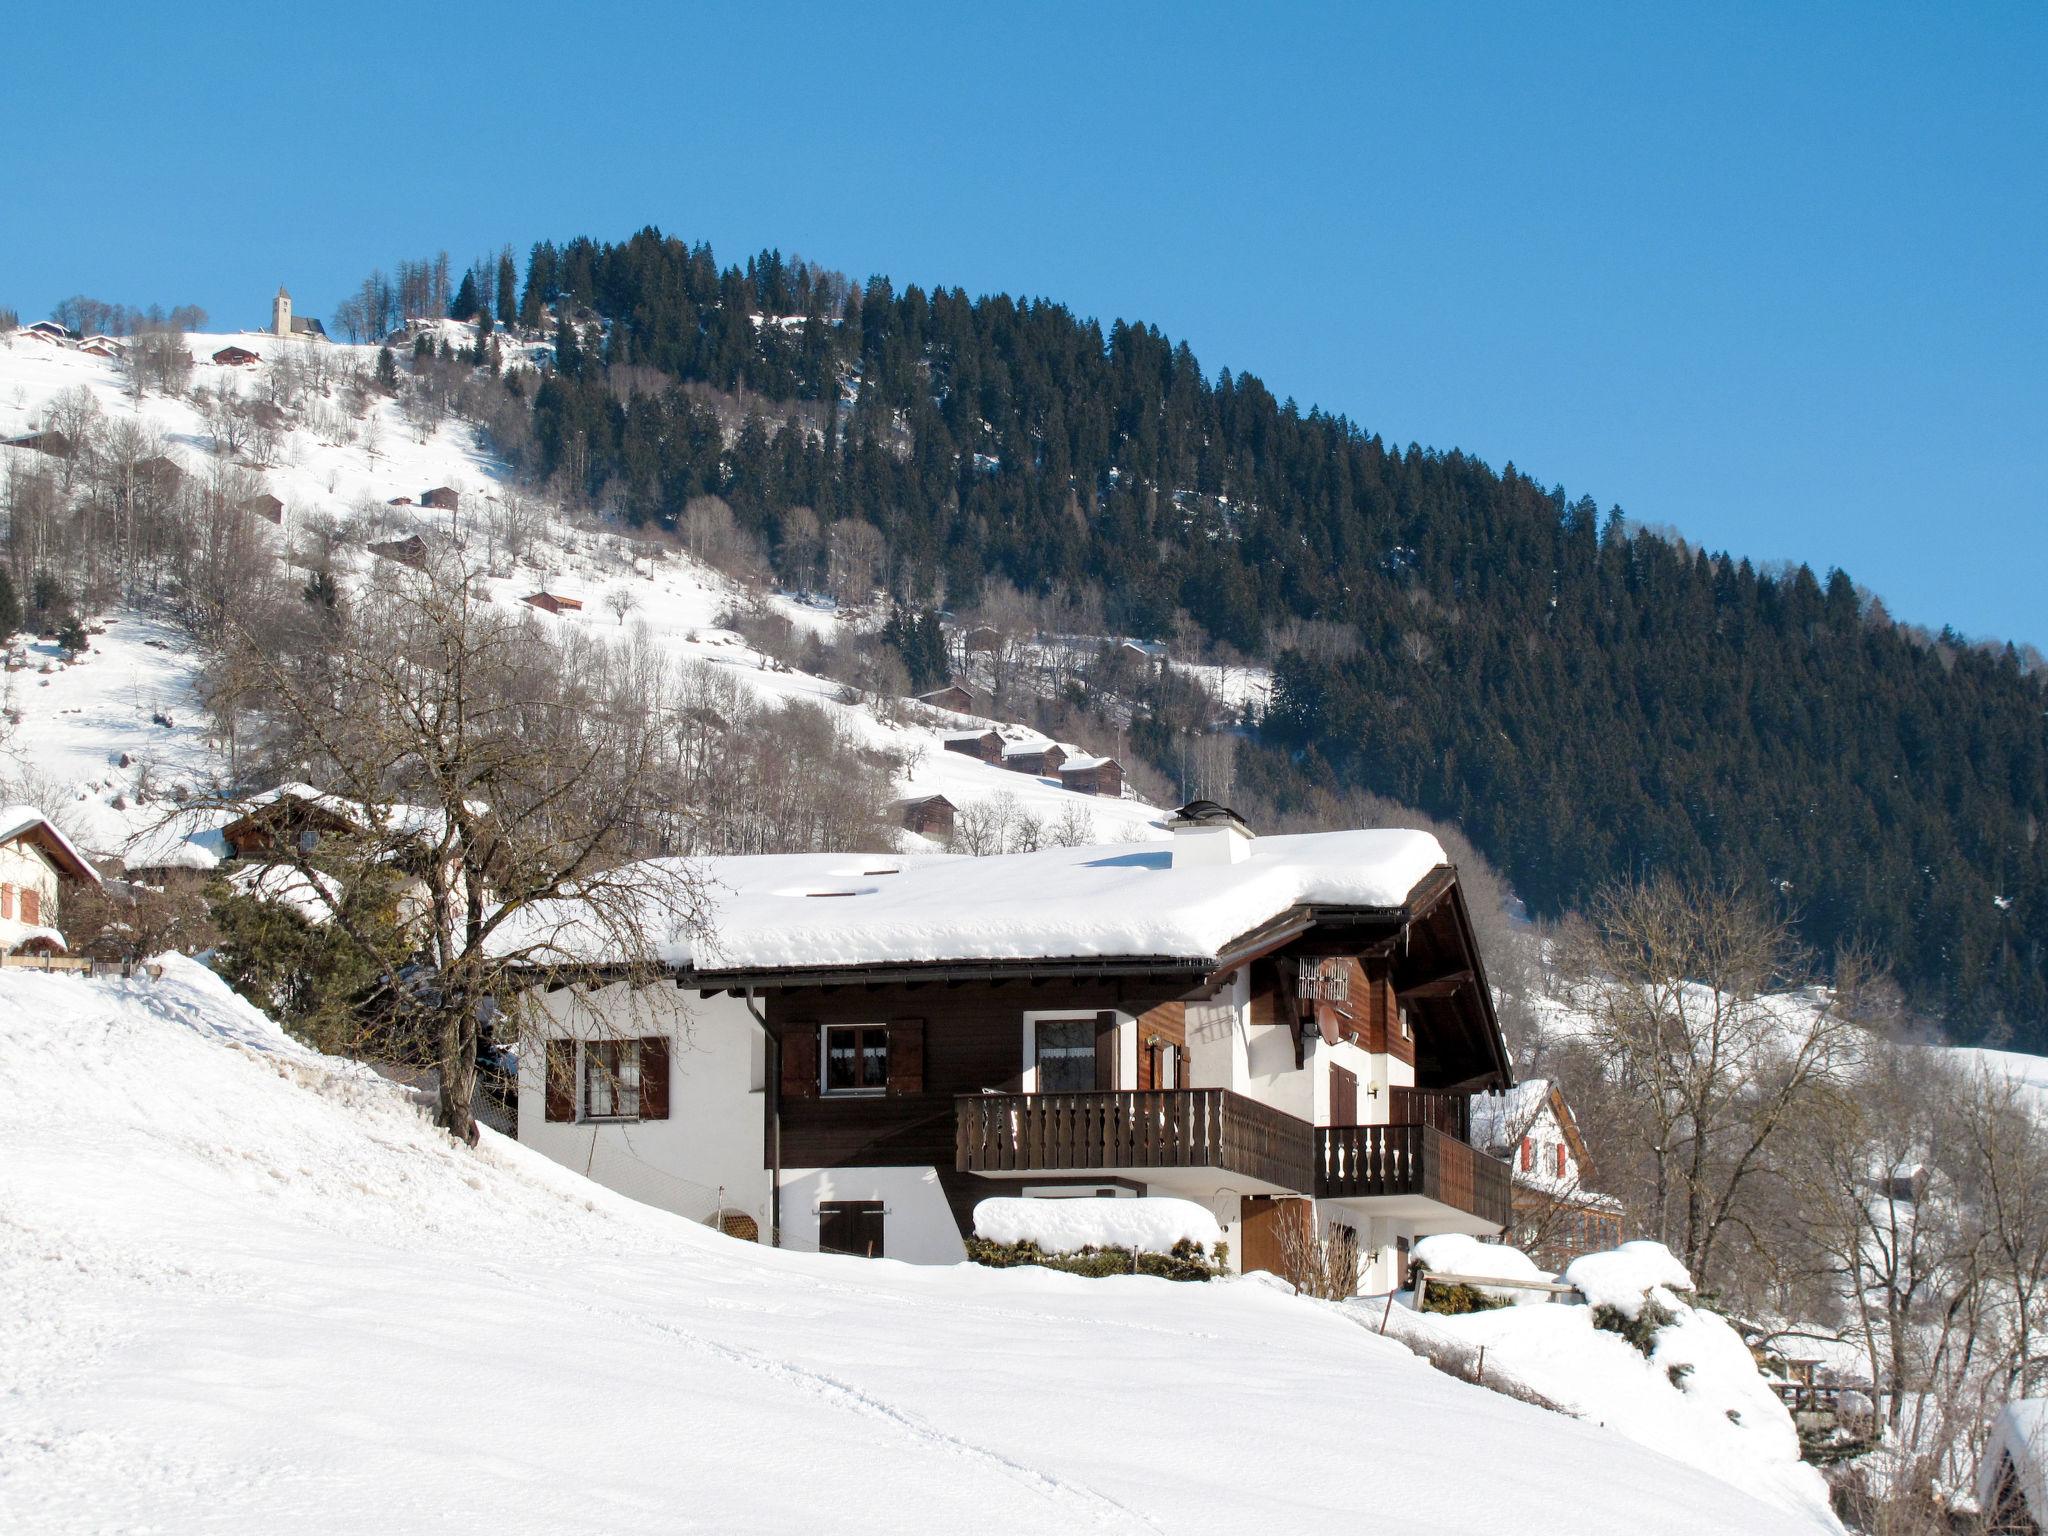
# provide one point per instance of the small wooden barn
(984, 746)
(265, 506)
(554, 602)
(442, 498)
(409, 551)
(51, 441)
(928, 816)
(983, 637)
(235, 357)
(1037, 757)
(952, 696)
(1093, 776)
(161, 474)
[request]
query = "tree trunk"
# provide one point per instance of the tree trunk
(458, 1070)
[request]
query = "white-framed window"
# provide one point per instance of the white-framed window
(856, 1059)
(1063, 1053)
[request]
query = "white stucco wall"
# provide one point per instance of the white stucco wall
(708, 1152)
(917, 1224)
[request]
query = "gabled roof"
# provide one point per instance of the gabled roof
(24, 823)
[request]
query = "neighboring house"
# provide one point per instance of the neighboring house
(1039, 757)
(1286, 1029)
(38, 865)
(1558, 1216)
(265, 506)
(982, 637)
(442, 498)
(1093, 776)
(983, 746)
(235, 357)
(160, 473)
(554, 602)
(952, 696)
(2012, 1478)
(928, 816)
(49, 330)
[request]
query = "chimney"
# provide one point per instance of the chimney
(1207, 833)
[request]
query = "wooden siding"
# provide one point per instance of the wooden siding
(1171, 1128)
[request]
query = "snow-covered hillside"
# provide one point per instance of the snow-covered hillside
(247, 1288)
(329, 468)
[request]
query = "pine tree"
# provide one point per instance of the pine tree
(568, 354)
(10, 605)
(466, 303)
(508, 286)
(387, 371)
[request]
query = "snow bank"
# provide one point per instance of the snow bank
(1454, 1253)
(1150, 1224)
(1698, 1397)
(245, 1289)
(1622, 1277)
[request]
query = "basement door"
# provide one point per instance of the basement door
(1264, 1223)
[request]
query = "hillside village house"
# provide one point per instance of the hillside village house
(1035, 757)
(927, 815)
(952, 696)
(38, 864)
(1286, 1029)
(1093, 776)
(983, 746)
(1557, 1215)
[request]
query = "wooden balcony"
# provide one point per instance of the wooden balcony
(1010, 1133)
(1363, 1162)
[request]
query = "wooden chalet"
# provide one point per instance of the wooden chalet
(295, 816)
(399, 501)
(1037, 757)
(983, 637)
(1057, 1024)
(1093, 776)
(983, 746)
(441, 498)
(952, 696)
(49, 330)
(235, 357)
(56, 444)
(928, 816)
(265, 506)
(554, 602)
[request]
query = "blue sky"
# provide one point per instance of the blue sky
(1771, 275)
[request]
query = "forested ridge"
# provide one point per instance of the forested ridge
(1587, 698)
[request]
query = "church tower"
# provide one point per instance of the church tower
(281, 313)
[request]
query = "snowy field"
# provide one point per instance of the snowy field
(244, 1288)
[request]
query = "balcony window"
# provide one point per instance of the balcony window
(1063, 1050)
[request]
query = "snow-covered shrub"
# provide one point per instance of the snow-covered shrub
(1174, 1239)
(1455, 1253)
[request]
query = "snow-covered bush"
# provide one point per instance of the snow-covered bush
(1173, 1239)
(1454, 1253)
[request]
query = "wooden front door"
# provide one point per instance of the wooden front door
(1343, 1096)
(1265, 1221)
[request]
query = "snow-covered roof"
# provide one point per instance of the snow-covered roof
(1115, 902)
(2021, 1437)
(19, 821)
(1082, 762)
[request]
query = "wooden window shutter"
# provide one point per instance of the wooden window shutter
(561, 1081)
(1560, 1159)
(1105, 1051)
(1528, 1154)
(654, 1077)
(800, 1061)
(906, 1057)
